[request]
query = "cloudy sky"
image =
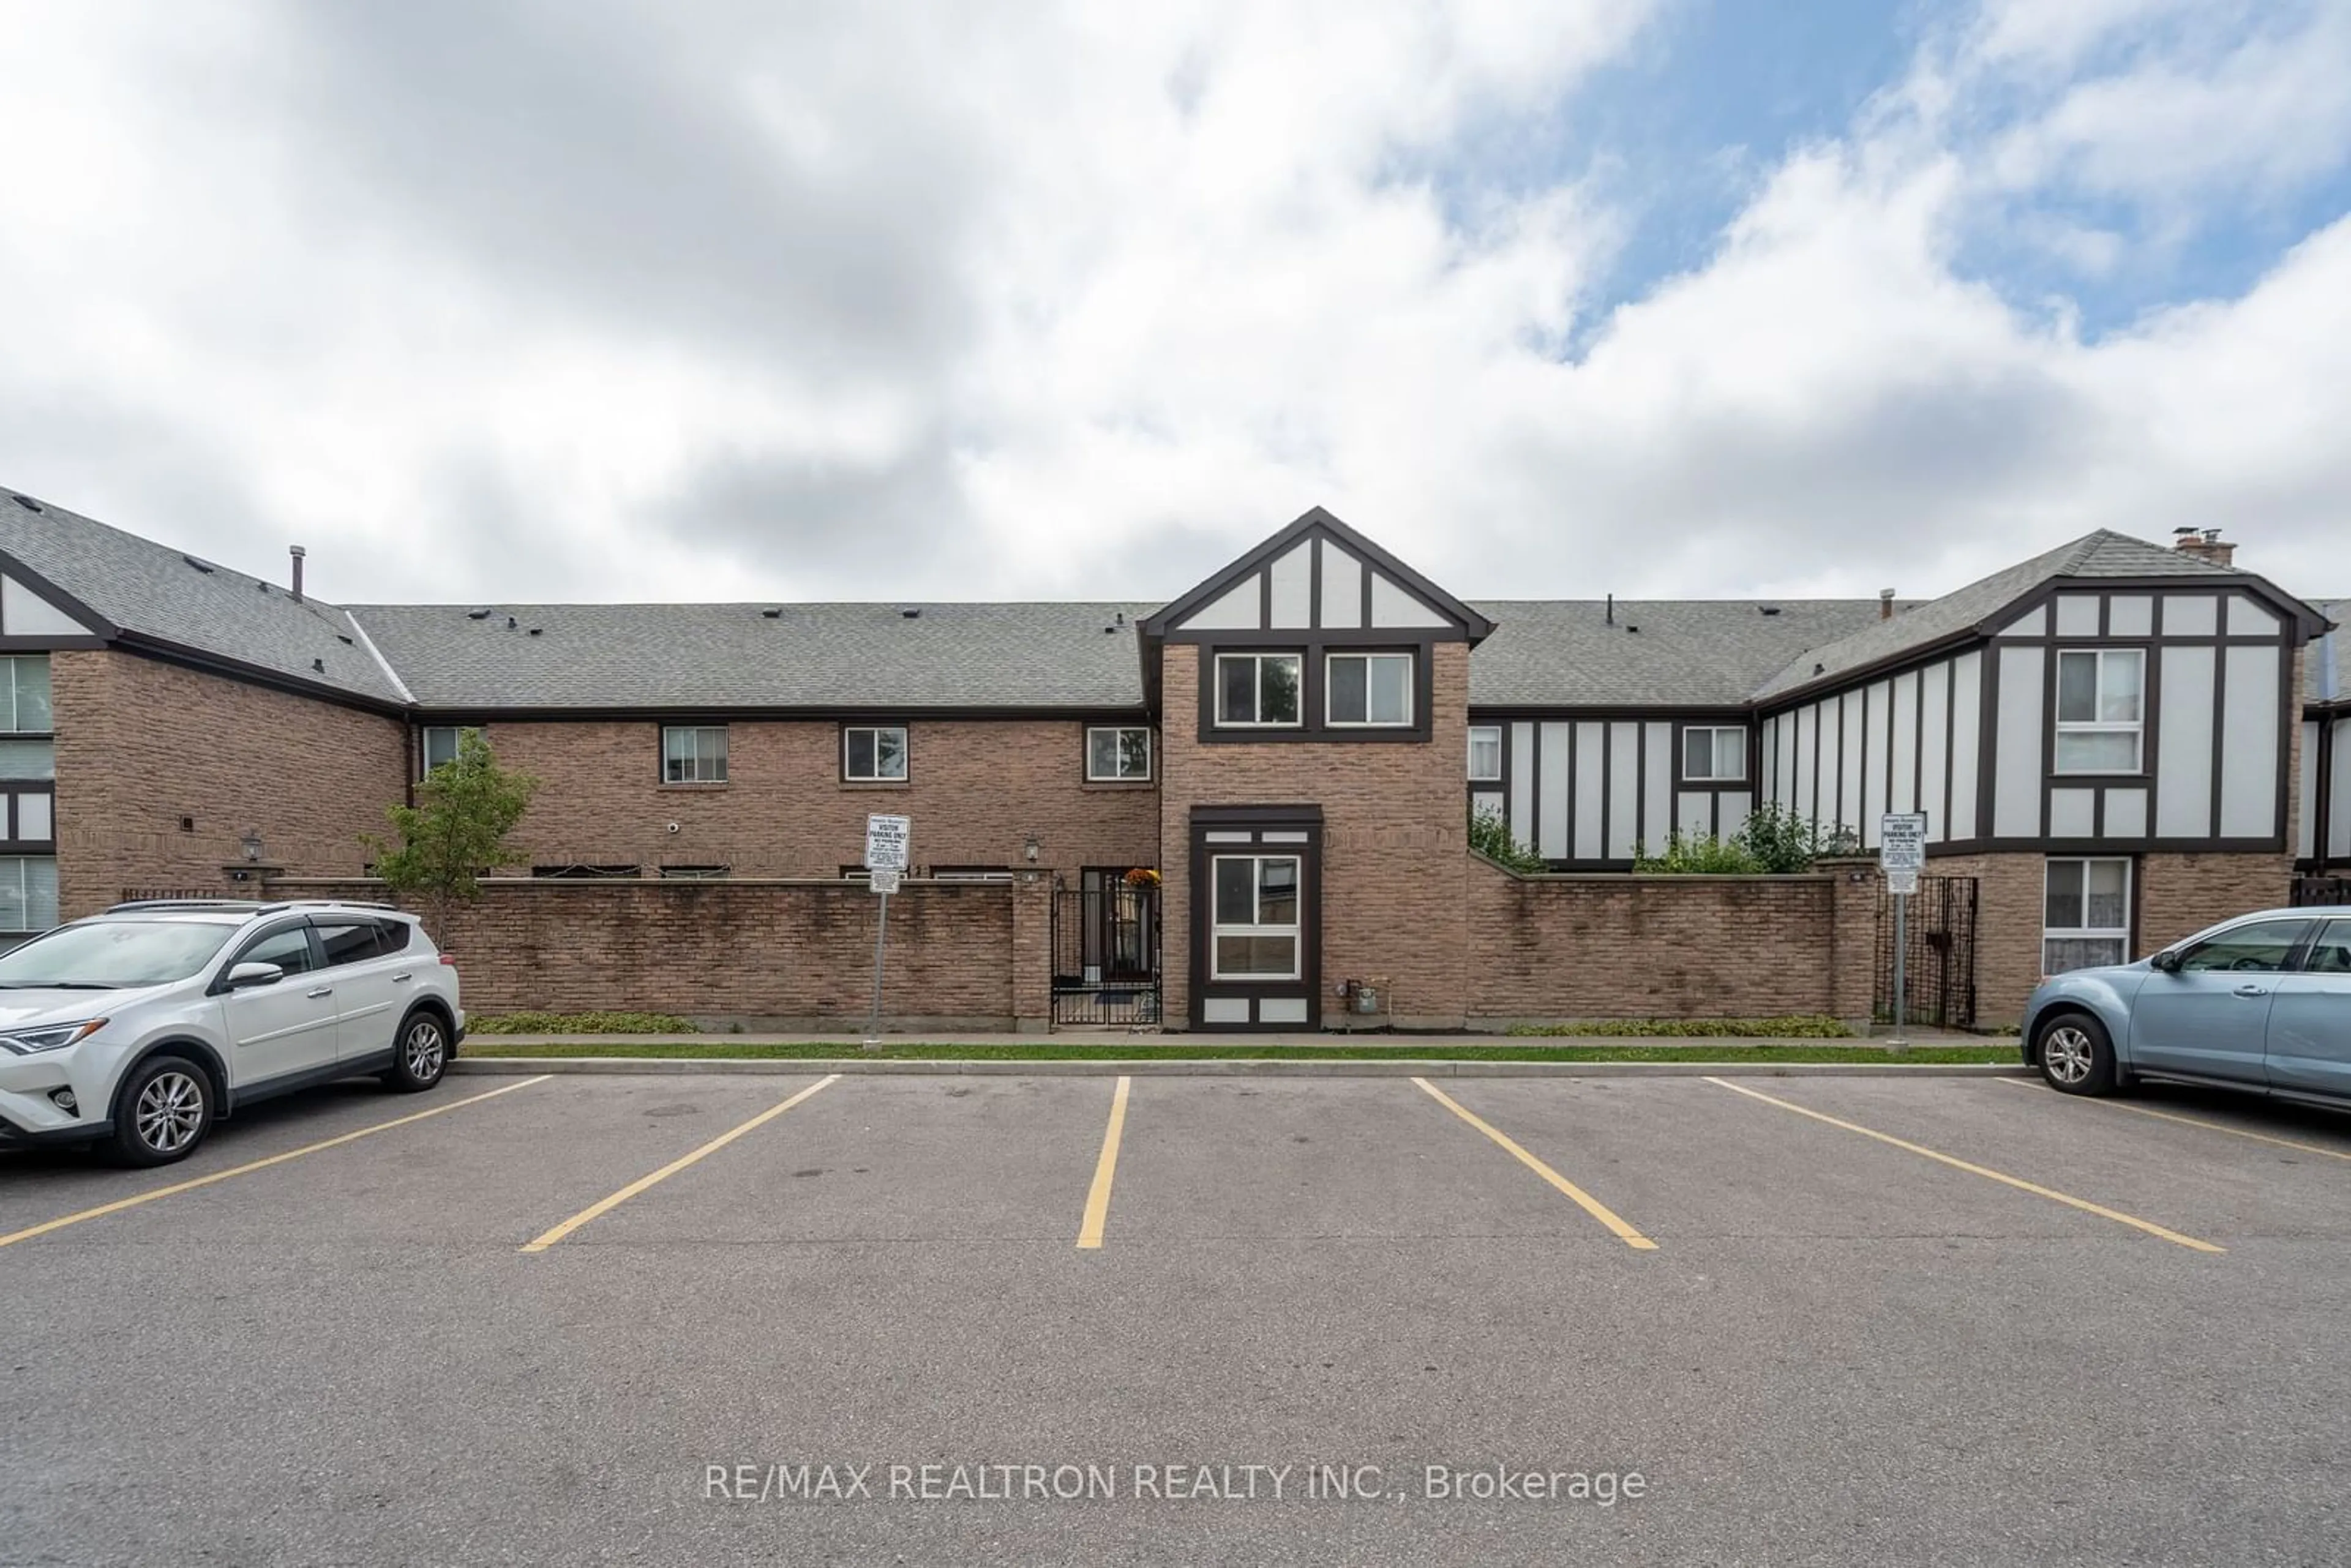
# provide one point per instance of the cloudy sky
(732, 299)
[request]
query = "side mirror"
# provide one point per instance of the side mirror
(244, 977)
(2168, 962)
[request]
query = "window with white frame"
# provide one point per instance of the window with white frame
(1118, 752)
(2085, 917)
(1367, 690)
(2101, 709)
(694, 753)
(1254, 934)
(873, 753)
(25, 695)
(435, 744)
(1485, 754)
(28, 893)
(1714, 753)
(1257, 691)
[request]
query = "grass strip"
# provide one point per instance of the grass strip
(720, 1050)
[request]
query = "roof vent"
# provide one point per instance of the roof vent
(346, 642)
(477, 615)
(263, 586)
(771, 614)
(1820, 669)
(912, 613)
(319, 665)
(510, 622)
(536, 630)
(1768, 608)
(203, 566)
(27, 502)
(1630, 627)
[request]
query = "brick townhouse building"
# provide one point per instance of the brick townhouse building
(1253, 791)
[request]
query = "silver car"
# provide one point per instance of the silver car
(141, 1027)
(2262, 1002)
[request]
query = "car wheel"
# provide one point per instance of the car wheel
(420, 1055)
(165, 1113)
(2076, 1057)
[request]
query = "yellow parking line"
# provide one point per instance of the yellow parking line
(2117, 1216)
(606, 1205)
(2196, 1122)
(1585, 1200)
(134, 1201)
(1090, 1229)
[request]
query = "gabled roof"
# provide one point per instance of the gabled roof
(148, 594)
(1673, 652)
(884, 658)
(1316, 520)
(2102, 555)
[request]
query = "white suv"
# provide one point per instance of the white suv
(144, 1025)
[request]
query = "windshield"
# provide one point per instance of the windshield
(113, 955)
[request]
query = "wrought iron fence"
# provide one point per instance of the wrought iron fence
(1940, 964)
(1105, 936)
(2321, 891)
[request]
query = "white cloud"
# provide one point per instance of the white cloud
(650, 304)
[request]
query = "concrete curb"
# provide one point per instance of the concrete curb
(1155, 1067)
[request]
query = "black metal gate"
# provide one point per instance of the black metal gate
(1941, 933)
(1106, 951)
(2321, 891)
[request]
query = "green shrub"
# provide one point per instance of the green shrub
(1773, 840)
(579, 1023)
(1694, 854)
(1799, 1026)
(1490, 837)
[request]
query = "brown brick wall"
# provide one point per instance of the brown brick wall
(2174, 894)
(784, 955)
(976, 790)
(141, 744)
(1395, 852)
(1602, 946)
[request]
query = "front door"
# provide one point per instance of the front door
(2310, 1018)
(285, 1027)
(1257, 926)
(2210, 1018)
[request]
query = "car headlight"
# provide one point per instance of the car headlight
(54, 1037)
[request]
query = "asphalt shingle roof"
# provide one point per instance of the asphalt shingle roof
(2101, 554)
(1038, 655)
(153, 590)
(1686, 653)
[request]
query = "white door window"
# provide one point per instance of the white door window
(1254, 932)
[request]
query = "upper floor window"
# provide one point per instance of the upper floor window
(435, 744)
(1485, 753)
(25, 695)
(2101, 709)
(1115, 752)
(873, 753)
(1257, 691)
(1368, 689)
(1714, 753)
(694, 753)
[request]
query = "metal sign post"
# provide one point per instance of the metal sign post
(885, 861)
(1901, 855)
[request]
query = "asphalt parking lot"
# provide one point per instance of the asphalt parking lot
(607, 1319)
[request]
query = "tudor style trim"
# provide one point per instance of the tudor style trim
(1312, 522)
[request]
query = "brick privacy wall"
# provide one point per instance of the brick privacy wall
(1395, 844)
(2182, 895)
(141, 744)
(976, 790)
(1564, 947)
(789, 955)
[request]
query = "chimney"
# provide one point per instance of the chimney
(2205, 544)
(1885, 604)
(1612, 610)
(298, 552)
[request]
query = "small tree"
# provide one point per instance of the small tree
(455, 832)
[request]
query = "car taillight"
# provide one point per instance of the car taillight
(450, 959)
